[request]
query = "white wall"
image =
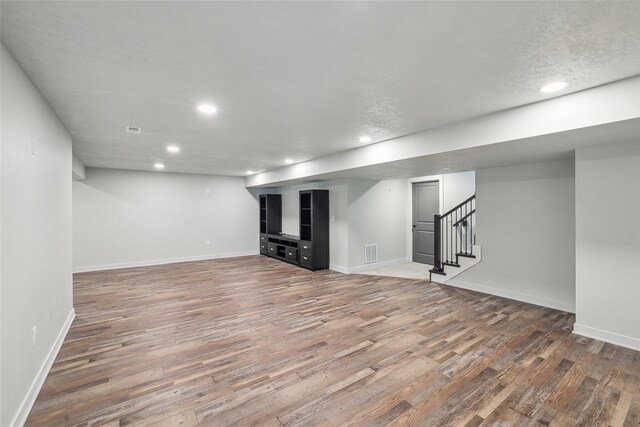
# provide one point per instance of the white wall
(526, 227)
(376, 215)
(78, 171)
(608, 243)
(457, 187)
(126, 218)
(35, 228)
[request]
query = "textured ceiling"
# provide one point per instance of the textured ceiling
(299, 79)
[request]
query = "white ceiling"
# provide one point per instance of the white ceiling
(299, 79)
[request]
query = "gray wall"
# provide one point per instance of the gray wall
(125, 218)
(608, 242)
(457, 187)
(377, 215)
(526, 227)
(35, 229)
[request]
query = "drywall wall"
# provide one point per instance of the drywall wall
(457, 187)
(608, 243)
(35, 228)
(526, 227)
(376, 216)
(78, 171)
(338, 222)
(128, 218)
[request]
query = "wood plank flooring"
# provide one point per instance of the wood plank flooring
(253, 341)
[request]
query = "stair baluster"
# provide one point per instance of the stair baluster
(454, 236)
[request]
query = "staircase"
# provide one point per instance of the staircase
(454, 243)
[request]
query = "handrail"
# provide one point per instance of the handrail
(450, 240)
(450, 211)
(464, 218)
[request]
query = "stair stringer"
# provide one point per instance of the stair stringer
(465, 264)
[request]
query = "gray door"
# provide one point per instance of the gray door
(426, 204)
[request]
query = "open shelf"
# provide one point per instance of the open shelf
(305, 232)
(305, 200)
(305, 217)
(270, 213)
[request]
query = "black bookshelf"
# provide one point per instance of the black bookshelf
(270, 219)
(314, 229)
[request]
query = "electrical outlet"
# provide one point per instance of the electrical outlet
(208, 191)
(33, 338)
(208, 242)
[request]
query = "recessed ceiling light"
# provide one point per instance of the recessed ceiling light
(365, 139)
(207, 108)
(173, 149)
(553, 87)
(158, 165)
(250, 172)
(288, 161)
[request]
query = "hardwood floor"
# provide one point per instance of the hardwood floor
(253, 341)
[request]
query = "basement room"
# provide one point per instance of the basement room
(319, 213)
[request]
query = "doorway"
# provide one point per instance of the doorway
(426, 204)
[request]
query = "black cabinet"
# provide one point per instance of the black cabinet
(283, 247)
(314, 229)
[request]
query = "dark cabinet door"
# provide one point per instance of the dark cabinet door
(291, 254)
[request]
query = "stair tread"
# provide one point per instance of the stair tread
(466, 255)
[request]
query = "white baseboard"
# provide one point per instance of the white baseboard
(544, 302)
(339, 268)
(610, 337)
(367, 267)
(377, 265)
(148, 263)
(27, 403)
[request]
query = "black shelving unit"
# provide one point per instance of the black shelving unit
(270, 219)
(314, 229)
(310, 249)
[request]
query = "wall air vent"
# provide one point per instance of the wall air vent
(370, 253)
(133, 129)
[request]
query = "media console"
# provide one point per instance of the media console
(310, 249)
